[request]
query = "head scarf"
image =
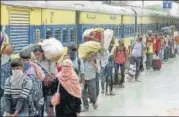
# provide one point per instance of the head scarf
(69, 79)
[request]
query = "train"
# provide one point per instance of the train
(28, 21)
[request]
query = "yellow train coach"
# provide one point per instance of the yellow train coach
(28, 21)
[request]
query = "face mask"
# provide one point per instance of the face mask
(17, 72)
(17, 78)
(26, 66)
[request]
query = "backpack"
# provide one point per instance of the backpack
(36, 96)
(134, 45)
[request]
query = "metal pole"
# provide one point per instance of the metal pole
(77, 15)
(142, 3)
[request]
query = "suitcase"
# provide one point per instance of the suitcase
(156, 64)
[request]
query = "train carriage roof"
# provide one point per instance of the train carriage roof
(147, 12)
(90, 7)
(73, 5)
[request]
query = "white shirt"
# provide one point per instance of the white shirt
(104, 58)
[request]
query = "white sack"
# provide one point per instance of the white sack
(52, 48)
(108, 34)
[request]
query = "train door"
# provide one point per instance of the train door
(19, 33)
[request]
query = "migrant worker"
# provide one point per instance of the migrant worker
(150, 50)
(89, 82)
(157, 44)
(17, 91)
(120, 57)
(31, 68)
(177, 42)
(137, 55)
(108, 73)
(77, 62)
(104, 60)
(34, 71)
(6, 71)
(167, 50)
(171, 46)
(69, 90)
(98, 63)
(50, 69)
(162, 47)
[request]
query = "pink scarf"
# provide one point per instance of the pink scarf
(69, 79)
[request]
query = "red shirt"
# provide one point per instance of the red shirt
(157, 45)
(120, 56)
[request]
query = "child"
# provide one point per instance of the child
(17, 91)
(109, 75)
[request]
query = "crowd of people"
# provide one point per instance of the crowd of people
(33, 85)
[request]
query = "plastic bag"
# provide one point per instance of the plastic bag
(88, 47)
(52, 48)
(108, 34)
(27, 50)
(132, 69)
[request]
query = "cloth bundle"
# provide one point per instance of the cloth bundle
(88, 47)
(96, 34)
(53, 49)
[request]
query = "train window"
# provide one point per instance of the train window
(58, 34)
(119, 31)
(115, 31)
(125, 31)
(130, 30)
(138, 29)
(37, 35)
(65, 35)
(72, 34)
(84, 29)
(48, 33)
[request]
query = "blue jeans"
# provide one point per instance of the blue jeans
(122, 68)
(103, 78)
(89, 89)
(137, 61)
(161, 53)
(97, 83)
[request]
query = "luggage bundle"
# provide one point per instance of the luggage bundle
(108, 35)
(95, 40)
(53, 49)
(27, 50)
(95, 34)
(156, 63)
(86, 48)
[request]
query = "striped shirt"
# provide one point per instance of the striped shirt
(17, 98)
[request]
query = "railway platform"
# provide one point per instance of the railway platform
(156, 95)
